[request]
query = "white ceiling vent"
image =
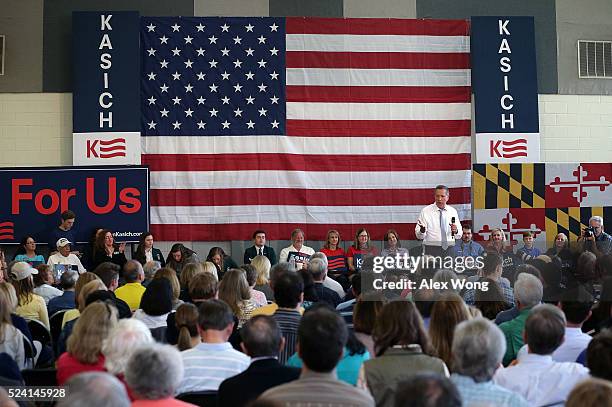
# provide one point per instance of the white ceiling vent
(594, 59)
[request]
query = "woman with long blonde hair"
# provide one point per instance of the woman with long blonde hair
(498, 244)
(234, 290)
(497, 241)
(91, 287)
(210, 268)
(85, 291)
(84, 346)
(189, 270)
(258, 297)
(11, 340)
(262, 265)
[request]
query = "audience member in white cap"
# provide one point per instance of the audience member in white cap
(64, 257)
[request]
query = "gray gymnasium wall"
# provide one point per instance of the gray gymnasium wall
(238, 8)
(39, 40)
(545, 26)
(38, 32)
(380, 8)
(310, 8)
(21, 23)
(57, 61)
(591, 21)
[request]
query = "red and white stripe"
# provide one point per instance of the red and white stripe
(378, 113)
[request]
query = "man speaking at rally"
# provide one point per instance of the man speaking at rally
(438, 224)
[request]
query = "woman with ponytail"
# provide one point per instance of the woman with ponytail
(186, 318)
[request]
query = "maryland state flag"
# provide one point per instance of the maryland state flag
(499, 186)
(546, 199)
(572, 221)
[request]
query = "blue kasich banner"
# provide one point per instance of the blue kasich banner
(109, 197)
(106, 71)
(504, 78)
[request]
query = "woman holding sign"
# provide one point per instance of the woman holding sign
(361, 247)
(336, 258)
(297, 253)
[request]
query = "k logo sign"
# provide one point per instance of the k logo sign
(508, 149)
(102, 148)
(106, 149)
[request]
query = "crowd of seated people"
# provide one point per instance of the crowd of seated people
(174, 331)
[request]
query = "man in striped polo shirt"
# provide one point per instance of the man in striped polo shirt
(289, 287)
(214, 360)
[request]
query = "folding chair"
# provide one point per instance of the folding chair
(39, 332)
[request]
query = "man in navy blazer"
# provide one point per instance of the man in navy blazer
(262, 341)
(259, 248)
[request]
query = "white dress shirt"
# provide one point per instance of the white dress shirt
(430, 217)
(72, 260)
(540, 380)
(148, 254)
(574, 342)
(151, 321)
(334, 285)
(47, 292)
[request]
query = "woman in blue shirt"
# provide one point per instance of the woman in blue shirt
(27, 252)
(347, 369)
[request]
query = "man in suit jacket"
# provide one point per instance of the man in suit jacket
(259, 248)
(262, 341)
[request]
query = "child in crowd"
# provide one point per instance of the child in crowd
(528, 252)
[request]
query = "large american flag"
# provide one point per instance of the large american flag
(316, 123)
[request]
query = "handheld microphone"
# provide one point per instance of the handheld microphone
(452, 223)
